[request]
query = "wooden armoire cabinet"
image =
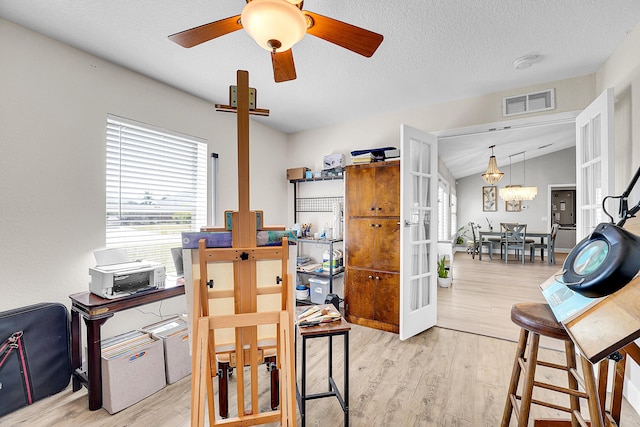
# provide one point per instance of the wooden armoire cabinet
(372, 245)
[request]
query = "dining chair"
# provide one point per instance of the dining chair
(476, 244)
(515, 237)
(501, 239)
(543, 246)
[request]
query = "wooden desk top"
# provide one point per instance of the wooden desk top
(608, 325)
(336, 327)
(93, 306)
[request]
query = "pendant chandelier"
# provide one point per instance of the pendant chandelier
(493, 174)
(516, 193)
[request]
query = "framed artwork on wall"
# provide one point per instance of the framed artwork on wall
(513, 206)
(489, 202)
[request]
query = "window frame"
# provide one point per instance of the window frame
(156, 188)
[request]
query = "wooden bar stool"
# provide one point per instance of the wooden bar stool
(537, 319)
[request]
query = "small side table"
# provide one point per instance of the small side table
(96, 311)
(329, 330)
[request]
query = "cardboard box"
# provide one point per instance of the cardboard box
(132, 369)
(297, 173)
(174, 335)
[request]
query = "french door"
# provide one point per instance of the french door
(594, 162)
(418, 237)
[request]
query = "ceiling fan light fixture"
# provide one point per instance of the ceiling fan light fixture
(273, 22)
(493, 174)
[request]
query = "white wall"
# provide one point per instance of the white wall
(554, 168)
(622, 72)
(53, 110)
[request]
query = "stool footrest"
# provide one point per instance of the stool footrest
(553, 365)
(552, 406)
(536, 320)
(560, 389)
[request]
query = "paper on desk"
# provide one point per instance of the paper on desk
(111, 256)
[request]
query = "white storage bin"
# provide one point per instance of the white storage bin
(175, 336)
(132, 369)
(318, 288)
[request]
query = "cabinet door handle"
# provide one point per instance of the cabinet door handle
(372, 225)
(379, 209)
(377, 277)
(378, 225)
(370, 277)
(372, 208)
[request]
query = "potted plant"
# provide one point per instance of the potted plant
(444, 280)
(461, 235)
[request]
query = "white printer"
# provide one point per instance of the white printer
(116, 276)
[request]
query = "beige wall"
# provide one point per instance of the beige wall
(622, 72)
(53, 110)
(308, 148)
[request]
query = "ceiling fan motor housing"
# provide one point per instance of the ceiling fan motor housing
(603, 262)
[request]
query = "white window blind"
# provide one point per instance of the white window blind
(156, 185)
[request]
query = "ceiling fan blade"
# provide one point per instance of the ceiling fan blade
(283, 68)
(356, 39)
(206, 32)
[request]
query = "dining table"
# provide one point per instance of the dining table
(543, 236)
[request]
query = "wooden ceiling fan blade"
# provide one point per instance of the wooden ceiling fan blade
(206, 32)
(283, 67)
(356, 39)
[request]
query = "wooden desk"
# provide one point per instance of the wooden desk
(95, 311)
(541, 235)
(330, 330)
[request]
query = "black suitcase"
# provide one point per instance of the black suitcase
(35, 359)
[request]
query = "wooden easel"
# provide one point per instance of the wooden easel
(247, 317)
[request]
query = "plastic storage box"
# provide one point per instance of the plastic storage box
(318, 288)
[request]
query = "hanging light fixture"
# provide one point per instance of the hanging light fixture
(276, 25)
(493, 174)
(516, 193)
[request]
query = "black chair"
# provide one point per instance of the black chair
(476, 245)
(515, 237)
(543, 246)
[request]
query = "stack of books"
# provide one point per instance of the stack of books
(115, 346)
(359, 157)
(363, 158)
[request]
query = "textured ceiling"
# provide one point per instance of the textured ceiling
(433, 50)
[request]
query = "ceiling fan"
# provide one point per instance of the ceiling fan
(276, 25)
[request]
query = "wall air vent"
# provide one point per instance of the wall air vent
(528, 103)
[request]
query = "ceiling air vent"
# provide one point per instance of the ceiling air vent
(528, 103)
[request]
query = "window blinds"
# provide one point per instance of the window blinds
(155, 187)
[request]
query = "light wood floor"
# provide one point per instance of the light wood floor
(480, 298)
(442, 377)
